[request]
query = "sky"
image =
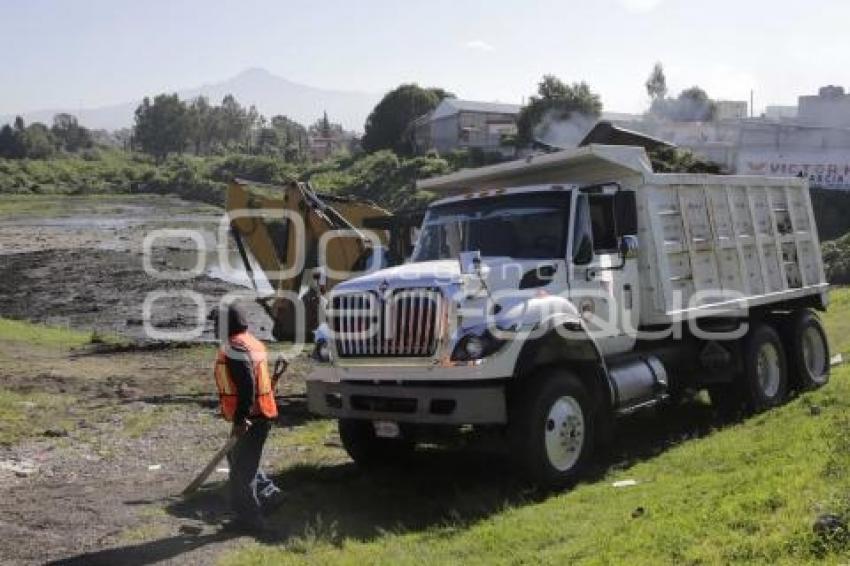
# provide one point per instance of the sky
(82, 54)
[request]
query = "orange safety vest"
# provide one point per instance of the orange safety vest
(264, 404)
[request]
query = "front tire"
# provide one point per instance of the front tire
(765, 368)
(369, 450)
(552, 428)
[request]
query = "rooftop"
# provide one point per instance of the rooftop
(451, 106)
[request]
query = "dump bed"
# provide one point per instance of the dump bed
(710, 239)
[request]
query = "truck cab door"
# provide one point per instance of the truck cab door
(603, 273)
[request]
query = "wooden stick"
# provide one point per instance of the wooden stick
(205, 473)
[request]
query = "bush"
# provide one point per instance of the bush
(260, 168)
(836, 260)
(381, 177)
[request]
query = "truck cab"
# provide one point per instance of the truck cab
(534, 304)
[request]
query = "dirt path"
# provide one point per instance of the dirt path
(101, 471)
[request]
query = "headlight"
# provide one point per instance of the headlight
(321, 351)
(475, 347)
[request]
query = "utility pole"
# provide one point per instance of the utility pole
(752, 105)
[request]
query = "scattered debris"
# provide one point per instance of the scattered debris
(154, 467)
(624, 483)
(21, 468)
(223, 470)
(831, 527)
(815, 410)
(638, 512)
(126, 391)
(55, 433)
(836, 360)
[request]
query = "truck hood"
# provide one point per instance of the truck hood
(504, 273)
(423, 274)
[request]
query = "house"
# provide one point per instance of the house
(466, 124)
(323, 147)
(731, 110)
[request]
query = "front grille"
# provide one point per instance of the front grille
(404, 322)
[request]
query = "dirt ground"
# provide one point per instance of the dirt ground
(118, 432)
(80, 263)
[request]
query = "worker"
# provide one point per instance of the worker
(246, 394)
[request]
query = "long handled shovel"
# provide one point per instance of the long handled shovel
(209, 468)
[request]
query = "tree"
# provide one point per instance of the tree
(39, 142)
(203, 124)
(387, 125)
(656, 84)
(555, 102)
(292, 138)
(70, 135)
(233, 121)
(11, 143)
(162, 126)
(322, 127)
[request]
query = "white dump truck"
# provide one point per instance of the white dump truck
(549, 296)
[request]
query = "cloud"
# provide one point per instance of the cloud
(640, 6)
(479, 45)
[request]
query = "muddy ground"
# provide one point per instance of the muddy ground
(82, 264)
(99, 439)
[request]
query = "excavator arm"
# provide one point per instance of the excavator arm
(262, 220)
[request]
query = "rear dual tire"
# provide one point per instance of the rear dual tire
(763, 381)
(808, 350)
(773, 363)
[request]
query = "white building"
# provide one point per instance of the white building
(830, 107)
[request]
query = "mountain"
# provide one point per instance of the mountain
(269, 93)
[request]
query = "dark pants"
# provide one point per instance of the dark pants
(249, 486)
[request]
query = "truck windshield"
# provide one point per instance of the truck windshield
(522, 226)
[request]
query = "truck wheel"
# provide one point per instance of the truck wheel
(551, 429)
(765, 368)
(368, 450)
(808, 350)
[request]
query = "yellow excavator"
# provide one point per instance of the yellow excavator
(263, 221)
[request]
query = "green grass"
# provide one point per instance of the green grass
(42, 335)
(748, 493)
(837, 320)
(24, 415)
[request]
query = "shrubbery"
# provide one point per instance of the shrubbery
(381, 177)
(836, 260)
